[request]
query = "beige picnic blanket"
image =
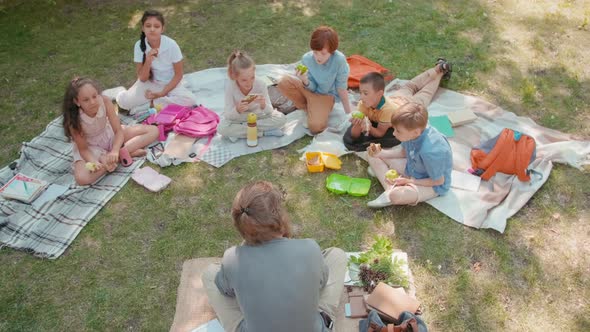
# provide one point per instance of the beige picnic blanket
(192, 305)
(502, 196)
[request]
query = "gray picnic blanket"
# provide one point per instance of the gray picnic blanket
(49, 229)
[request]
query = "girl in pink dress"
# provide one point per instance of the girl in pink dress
(90, 121)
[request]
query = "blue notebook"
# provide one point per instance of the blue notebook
(442, 124)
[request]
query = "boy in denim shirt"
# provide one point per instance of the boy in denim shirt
(425, 160)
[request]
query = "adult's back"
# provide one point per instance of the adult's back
(277, 284)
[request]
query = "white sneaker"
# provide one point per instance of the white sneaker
(381, 201)
(371, 172)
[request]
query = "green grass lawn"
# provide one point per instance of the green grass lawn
(122, 271)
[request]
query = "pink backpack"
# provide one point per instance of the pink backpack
(193, 121)
(167, 118)
(198, 122)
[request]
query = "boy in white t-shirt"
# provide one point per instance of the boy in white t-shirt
(159, 69)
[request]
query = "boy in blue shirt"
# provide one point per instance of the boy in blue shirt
(424, 162)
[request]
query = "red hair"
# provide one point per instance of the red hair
(324, 36)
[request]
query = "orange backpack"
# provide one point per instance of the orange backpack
(361, 66)
(510, 152)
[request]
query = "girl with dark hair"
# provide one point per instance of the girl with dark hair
(159, 64)
(91, 122)
(273, 282)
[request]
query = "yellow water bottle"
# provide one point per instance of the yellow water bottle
(252, 131)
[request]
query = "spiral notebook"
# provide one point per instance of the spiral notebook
(23, 188)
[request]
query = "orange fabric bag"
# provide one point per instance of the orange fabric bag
(360, 66)
(508, 155)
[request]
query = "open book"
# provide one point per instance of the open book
(23, 188)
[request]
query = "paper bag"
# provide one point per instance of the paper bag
(391, 302)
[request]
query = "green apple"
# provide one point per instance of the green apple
(301, 68)
(358, 115)
(90, 166)
(391, 174)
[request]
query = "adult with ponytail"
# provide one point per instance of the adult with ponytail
(159, 64)
(273, 282)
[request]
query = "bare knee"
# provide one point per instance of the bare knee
(403, 196)
(316, 128)
(287, 82)
(153, 133)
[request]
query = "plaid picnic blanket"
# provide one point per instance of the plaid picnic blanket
(47, 231)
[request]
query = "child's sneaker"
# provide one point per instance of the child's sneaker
(381, 201)
(274, 132)
(371, 172)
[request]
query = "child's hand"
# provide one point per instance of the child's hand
(152, 54)
(112, 157)
(110, 167)
(106, 161)
(149, 94)
(94, 166)
(242, 107)
(356, 122)
(399, 181)
(261, 101)
(303, 77)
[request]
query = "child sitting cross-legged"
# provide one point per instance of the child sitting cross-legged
(244, 94)
(378, 109)
(91, 123)
(425, 160)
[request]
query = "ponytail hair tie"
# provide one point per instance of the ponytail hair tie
(244, 210)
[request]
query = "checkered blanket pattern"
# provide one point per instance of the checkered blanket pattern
(49, 230)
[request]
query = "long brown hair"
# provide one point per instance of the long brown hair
(147, 14)
(258, 213)
(71, 111)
